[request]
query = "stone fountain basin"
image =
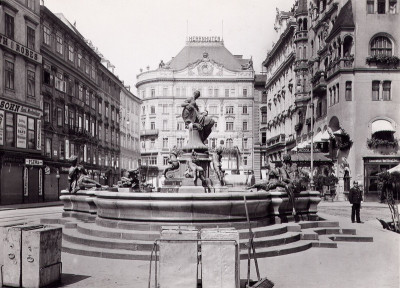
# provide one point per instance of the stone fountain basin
(181, 207)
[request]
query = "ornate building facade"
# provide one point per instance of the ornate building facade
(352, 79)
(20, 103)
(226, 85)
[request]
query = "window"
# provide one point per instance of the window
(381, 6)
(9, 29)
(59, 46)
(165, 161)
(180, 142)
(152, 109)
(31, 84)
(87, 97)
(30, 38)
(386, 91)
(337, 94)
(71, 116)
(153, 160)
(216, 92)
(79, 60)
(178, 92)
(9, 74)
(245, 143)
(71, 53)
(62, 149)
(226, 92)
(229, 126)
(180, 126)
(370, 6)
(46, 35)
(46, 110)
(165, 91)
(152, 125)
(213, 143)
(31, 4)
(165, 143)
(232, 94)
(375, 90)
(100, 107)
(48, 147)
(245, 161)
(381, 45)
(10, 137)
(244, 92)
(264, 117)
(392, 6)
(229, 143)
(244, 111)
(213, 109)
(165, 124)
(31, 133)
(59, 116)
(164, 108)
(348, 93)
(245, 126)
(153, 93)
(229, 109)
(107, 109)
(263, 138)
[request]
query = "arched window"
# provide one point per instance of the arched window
(347, 46)
(381, 45)
(305, 24)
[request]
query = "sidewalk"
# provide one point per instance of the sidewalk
(30, 205)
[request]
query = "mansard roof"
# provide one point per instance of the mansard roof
(193, 51)
(345, 20)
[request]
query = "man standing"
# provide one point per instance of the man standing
(355, 198)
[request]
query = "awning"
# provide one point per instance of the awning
(394, 169)
(318, 137)
(301, 145)
(306, 157)
(325, 136)
(338, 132)
(381, 126)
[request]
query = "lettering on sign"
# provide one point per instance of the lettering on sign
(26, 190)
(1, 127)
(20, 109)
(21, 131)
(204, 39)
(20, 49)
(40, 182)
(33, 162)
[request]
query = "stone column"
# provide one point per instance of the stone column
(220, 258)
(178, 257)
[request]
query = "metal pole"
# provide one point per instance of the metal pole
(312, 140)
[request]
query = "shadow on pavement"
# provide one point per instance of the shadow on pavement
(68, 279)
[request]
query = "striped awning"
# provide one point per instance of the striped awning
(381, 126)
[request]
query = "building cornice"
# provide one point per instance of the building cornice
(290, 59)
(138, 84)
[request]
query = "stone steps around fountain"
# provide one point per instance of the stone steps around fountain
(271, 241)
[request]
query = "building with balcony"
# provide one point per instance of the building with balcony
(352, 79)
(20, 103)
(226, 85)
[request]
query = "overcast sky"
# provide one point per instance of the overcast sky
(134, 34)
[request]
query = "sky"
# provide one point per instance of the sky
(134, 34)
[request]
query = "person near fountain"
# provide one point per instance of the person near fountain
(355, 199)
(200, 120)
(77, 177)
(173, 160)
(196, 171)
(285, 172)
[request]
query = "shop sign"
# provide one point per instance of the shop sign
(67, 149)
(64, 169)
(26, 190)
(47, 170)
(1, 127)
(40, 182)
(22, 122)
(39, 135)
(33, 162)
(20, 109)
(20, 49)
(383, 160)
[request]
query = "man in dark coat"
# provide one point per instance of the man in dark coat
(355, 198)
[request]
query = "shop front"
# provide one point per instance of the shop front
(372, 167)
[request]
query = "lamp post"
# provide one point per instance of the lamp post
(312, 140)
(58, 183)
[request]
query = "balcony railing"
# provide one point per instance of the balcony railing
(150, 132)
(342, 63)
(276, 141)
(301, 35)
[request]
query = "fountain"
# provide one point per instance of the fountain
(195, 193)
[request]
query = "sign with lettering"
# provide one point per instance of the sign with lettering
(204, 39)
(383, 160)
(20, 49)
(22, 122)
(33, 162)
(20, 109)
(26, 190)
(40, 182)
(67, 149)
(1, 127)
(39, 135)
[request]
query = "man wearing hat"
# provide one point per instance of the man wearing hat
(355, 198)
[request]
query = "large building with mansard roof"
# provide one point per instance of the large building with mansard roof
(226, 85)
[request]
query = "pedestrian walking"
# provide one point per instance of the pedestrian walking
(355, 198)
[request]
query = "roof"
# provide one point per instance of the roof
(302, 7)
(217, 52)
(344, 20)
(260, 79)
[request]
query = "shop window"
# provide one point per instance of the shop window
(46, 110)
(348, 92)
(60, 113)
(48, 147)
(10, 130)
(370, 6)
(375, 90)
(31, 83)
(30, 38)
(9, 29)
(31, 133)
(386, 91)
(9, 75)
(381, 45)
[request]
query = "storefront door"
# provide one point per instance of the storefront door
(32, 185)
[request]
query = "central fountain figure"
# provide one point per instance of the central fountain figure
(199, 120)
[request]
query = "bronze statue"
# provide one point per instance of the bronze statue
(196, 171)
(199, 120)
(131, 179)
(217, 165)
(77, 177)
(173, 160)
